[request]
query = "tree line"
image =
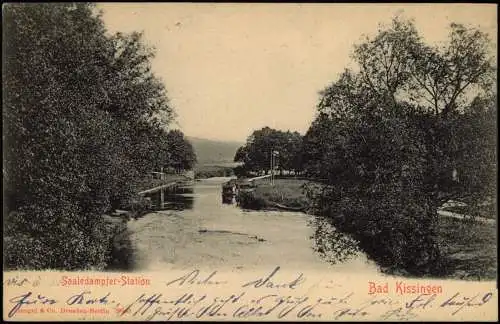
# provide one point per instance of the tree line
(256, 153)
(411, 128)
(84, 120)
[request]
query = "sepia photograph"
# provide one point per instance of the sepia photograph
(262, 140)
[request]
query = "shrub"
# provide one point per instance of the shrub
(248, 200)
(138, 206)
(55, 241)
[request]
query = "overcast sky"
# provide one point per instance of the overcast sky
(233, 68)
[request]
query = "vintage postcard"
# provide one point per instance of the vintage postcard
(249, 162)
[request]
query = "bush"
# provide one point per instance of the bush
(120, 255)
(138, 206)
(71, 244)
(248, 200)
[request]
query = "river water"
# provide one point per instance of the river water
(196, 229)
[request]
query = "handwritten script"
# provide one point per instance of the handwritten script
(211, 295)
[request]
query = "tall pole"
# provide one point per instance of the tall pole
(162, 192)
(272, 156)
(271, 166)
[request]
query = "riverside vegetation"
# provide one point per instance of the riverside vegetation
(414, 128)
(85, 120)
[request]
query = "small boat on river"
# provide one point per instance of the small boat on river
(234, 187)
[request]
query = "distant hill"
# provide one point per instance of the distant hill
(214, 152)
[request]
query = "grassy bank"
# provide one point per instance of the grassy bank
(469, 248)
(284, 192)
(287, 192)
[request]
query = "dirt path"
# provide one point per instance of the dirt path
(460, 216)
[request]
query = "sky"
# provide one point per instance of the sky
(232, 68)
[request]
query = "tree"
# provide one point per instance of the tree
(292, 152)
(256, 153)
(314, 145)
(371, 162)
(241, 154)
(182, 156)
(386, 59)
(475, 156)
(445, 77)
(398, 63)
(81, 113)
(386, 140)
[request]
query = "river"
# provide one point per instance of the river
(198, 230)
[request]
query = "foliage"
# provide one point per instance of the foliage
(83, 121)
(203, 172)
(256, 153)
(331, 244)
(315, 146)
(240, 171)
(182, 156)
(397, 64)
(248, 200)
(386, 144)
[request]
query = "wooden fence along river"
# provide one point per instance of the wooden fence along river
(168, 185)
(161, 175)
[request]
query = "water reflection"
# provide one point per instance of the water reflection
(178, 198)
(172, 198)
(228, 199)
(334, 246)
(122, 253)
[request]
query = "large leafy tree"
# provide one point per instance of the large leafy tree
(256, 153)
(82, 112)
(387, 138)
(385, 59)
(397, 63)
(181, 152)
(291, 156)
(448, 77)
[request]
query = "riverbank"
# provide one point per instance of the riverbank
(210, 171)
(137, 206)
(285, 194)
(468, 248)
(213, 235)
